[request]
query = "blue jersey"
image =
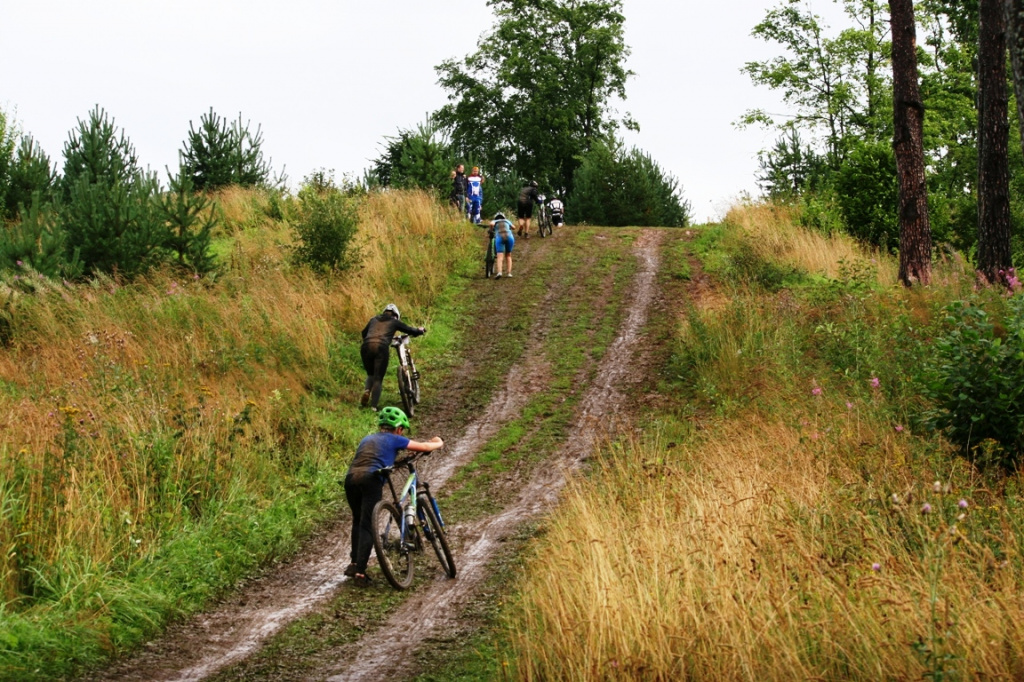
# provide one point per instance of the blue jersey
(475, 187)
(377, 451)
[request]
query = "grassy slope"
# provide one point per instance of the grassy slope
(772, 524)
(166, 438)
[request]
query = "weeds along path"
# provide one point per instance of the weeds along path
(230, 633)
(435, 608)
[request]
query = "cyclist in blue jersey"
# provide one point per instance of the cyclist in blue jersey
(504, 241)
(475, 194)
(364, 482)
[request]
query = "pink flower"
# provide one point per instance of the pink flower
(816, 390)
(899, 429)
(962, 504)
(875, 383)
(849, 405)
(876, 567)
(926, 508)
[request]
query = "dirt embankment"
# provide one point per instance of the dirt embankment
(215, 641)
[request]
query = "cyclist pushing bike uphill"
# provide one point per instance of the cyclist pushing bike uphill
(375, 455)
(376, 348)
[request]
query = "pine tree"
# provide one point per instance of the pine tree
(908, 117)
(31, 173)
(38, 241)
(993, 143)
(219, 154)
(190, 224)
(109, 211)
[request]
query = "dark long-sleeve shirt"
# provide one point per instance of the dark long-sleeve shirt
(382, 328)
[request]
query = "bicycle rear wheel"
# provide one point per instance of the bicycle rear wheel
(405, 389)
(435, 535)
(394, 556)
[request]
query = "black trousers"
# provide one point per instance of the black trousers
(375, 361)
(362, 491)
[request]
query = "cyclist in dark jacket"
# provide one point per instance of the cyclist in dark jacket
(528, 196)
(364, 484)
(376, 349)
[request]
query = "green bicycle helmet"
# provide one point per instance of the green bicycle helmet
(393, 417)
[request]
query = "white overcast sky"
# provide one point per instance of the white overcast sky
(328, 79)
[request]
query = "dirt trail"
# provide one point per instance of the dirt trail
(435, 608)
(202, 646)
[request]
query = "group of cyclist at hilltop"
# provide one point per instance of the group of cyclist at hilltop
(467, 195)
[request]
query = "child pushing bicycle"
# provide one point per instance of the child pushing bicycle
(364, 482)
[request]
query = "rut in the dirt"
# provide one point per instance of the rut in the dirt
(222, 637)
(435, 608)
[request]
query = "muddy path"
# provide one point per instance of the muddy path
(220, 641)
(436, 608)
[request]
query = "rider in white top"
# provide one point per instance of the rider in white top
(557, 209)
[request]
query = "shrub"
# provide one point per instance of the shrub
(976, 382)
(325, 228)
(868, 194)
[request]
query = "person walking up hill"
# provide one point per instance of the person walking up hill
(376, 349)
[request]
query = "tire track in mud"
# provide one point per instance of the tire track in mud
(435, 609)
(215, 640)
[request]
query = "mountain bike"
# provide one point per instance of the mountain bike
(408, 376)
(543, 218)
(402, 523)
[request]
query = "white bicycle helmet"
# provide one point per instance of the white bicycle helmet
(392, 308)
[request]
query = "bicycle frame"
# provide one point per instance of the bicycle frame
(408, 493)
(410, 490)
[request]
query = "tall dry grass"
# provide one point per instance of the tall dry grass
(752, 556)
(773, 232)
(129, 409)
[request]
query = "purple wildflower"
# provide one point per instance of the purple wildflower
(962, 504)
(876, 567)
(926, 508)
(875, 383)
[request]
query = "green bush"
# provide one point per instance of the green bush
(976, 382)
(326, 225)
(868, 194)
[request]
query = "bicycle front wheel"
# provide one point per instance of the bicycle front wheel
(414, 381)
(405, 389)
(435, 534)
(394, 556)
